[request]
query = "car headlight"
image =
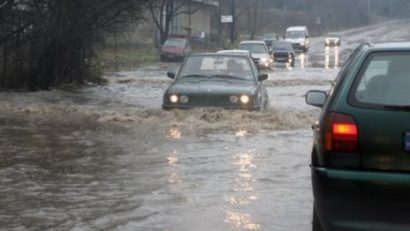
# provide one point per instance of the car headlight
(244, 99)
(233, 99)
(184, 99)
(173, 98)
(264, 60)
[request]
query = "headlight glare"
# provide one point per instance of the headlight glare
(244, 99)
(173, 98)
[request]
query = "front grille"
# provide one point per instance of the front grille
(214, 100)
(281, 54)
(209, 100)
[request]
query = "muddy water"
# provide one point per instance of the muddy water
(108, 158)
(92, 176)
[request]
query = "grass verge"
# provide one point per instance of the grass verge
(125, 57)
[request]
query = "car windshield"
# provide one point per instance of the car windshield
(281, 46)
(253, 47)
(175, 43)
(295, 34)
(236, 67)
(385, 80)
(333, 35)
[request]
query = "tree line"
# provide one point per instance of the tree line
(47, 43)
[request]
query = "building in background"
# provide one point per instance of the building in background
(197, 19)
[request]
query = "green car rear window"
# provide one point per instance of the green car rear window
(384, 80)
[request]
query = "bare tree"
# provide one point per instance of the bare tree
(164, 11)
(47, 42)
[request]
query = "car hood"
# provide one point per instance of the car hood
(281, 51)
(333, 38)
(215, 86)
(295, 40)
(259, 55)
(171, 49)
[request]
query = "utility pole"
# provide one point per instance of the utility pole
(233, 13)
(368, 6)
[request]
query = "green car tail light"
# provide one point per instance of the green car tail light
(341, 133)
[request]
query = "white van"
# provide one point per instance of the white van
(298, 36)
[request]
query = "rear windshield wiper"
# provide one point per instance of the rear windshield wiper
(397, 107)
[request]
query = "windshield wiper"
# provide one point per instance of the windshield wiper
(397, 107)
(194, 76)
(227, 76)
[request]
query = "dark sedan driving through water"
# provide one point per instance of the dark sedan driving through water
(230, 81)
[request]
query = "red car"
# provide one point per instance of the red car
(175, 49)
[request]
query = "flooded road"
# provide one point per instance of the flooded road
(109, 158)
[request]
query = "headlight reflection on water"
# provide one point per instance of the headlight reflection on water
(174, 133)
(241, 220)
(334, 55)
(244, 192)
(174, 177)
(241, 133)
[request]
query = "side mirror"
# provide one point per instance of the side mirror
(262, 77)
(171, 74)
(316, 98)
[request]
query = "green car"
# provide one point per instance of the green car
(361, 151)
(223, 80)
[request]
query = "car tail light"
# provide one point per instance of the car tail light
(341, 133)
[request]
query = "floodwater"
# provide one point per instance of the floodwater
(109, 158)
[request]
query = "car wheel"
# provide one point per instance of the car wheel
(315, 222)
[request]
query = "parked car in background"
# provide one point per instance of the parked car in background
(268, 38)
(234, 51)
(283, 52)
(260, 52)
(230, 81)
(361, 151)
(333, 39)
(175, 49)
(299, 37)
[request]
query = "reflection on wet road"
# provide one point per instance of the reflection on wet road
(90, 176)
(108, 158)
(332, 57)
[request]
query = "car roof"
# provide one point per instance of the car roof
(177, 39)
(399, 45)
(237, 54)
(233, 51)
(297, 28)
(333, 34)
(252, 42)
(281, 42)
